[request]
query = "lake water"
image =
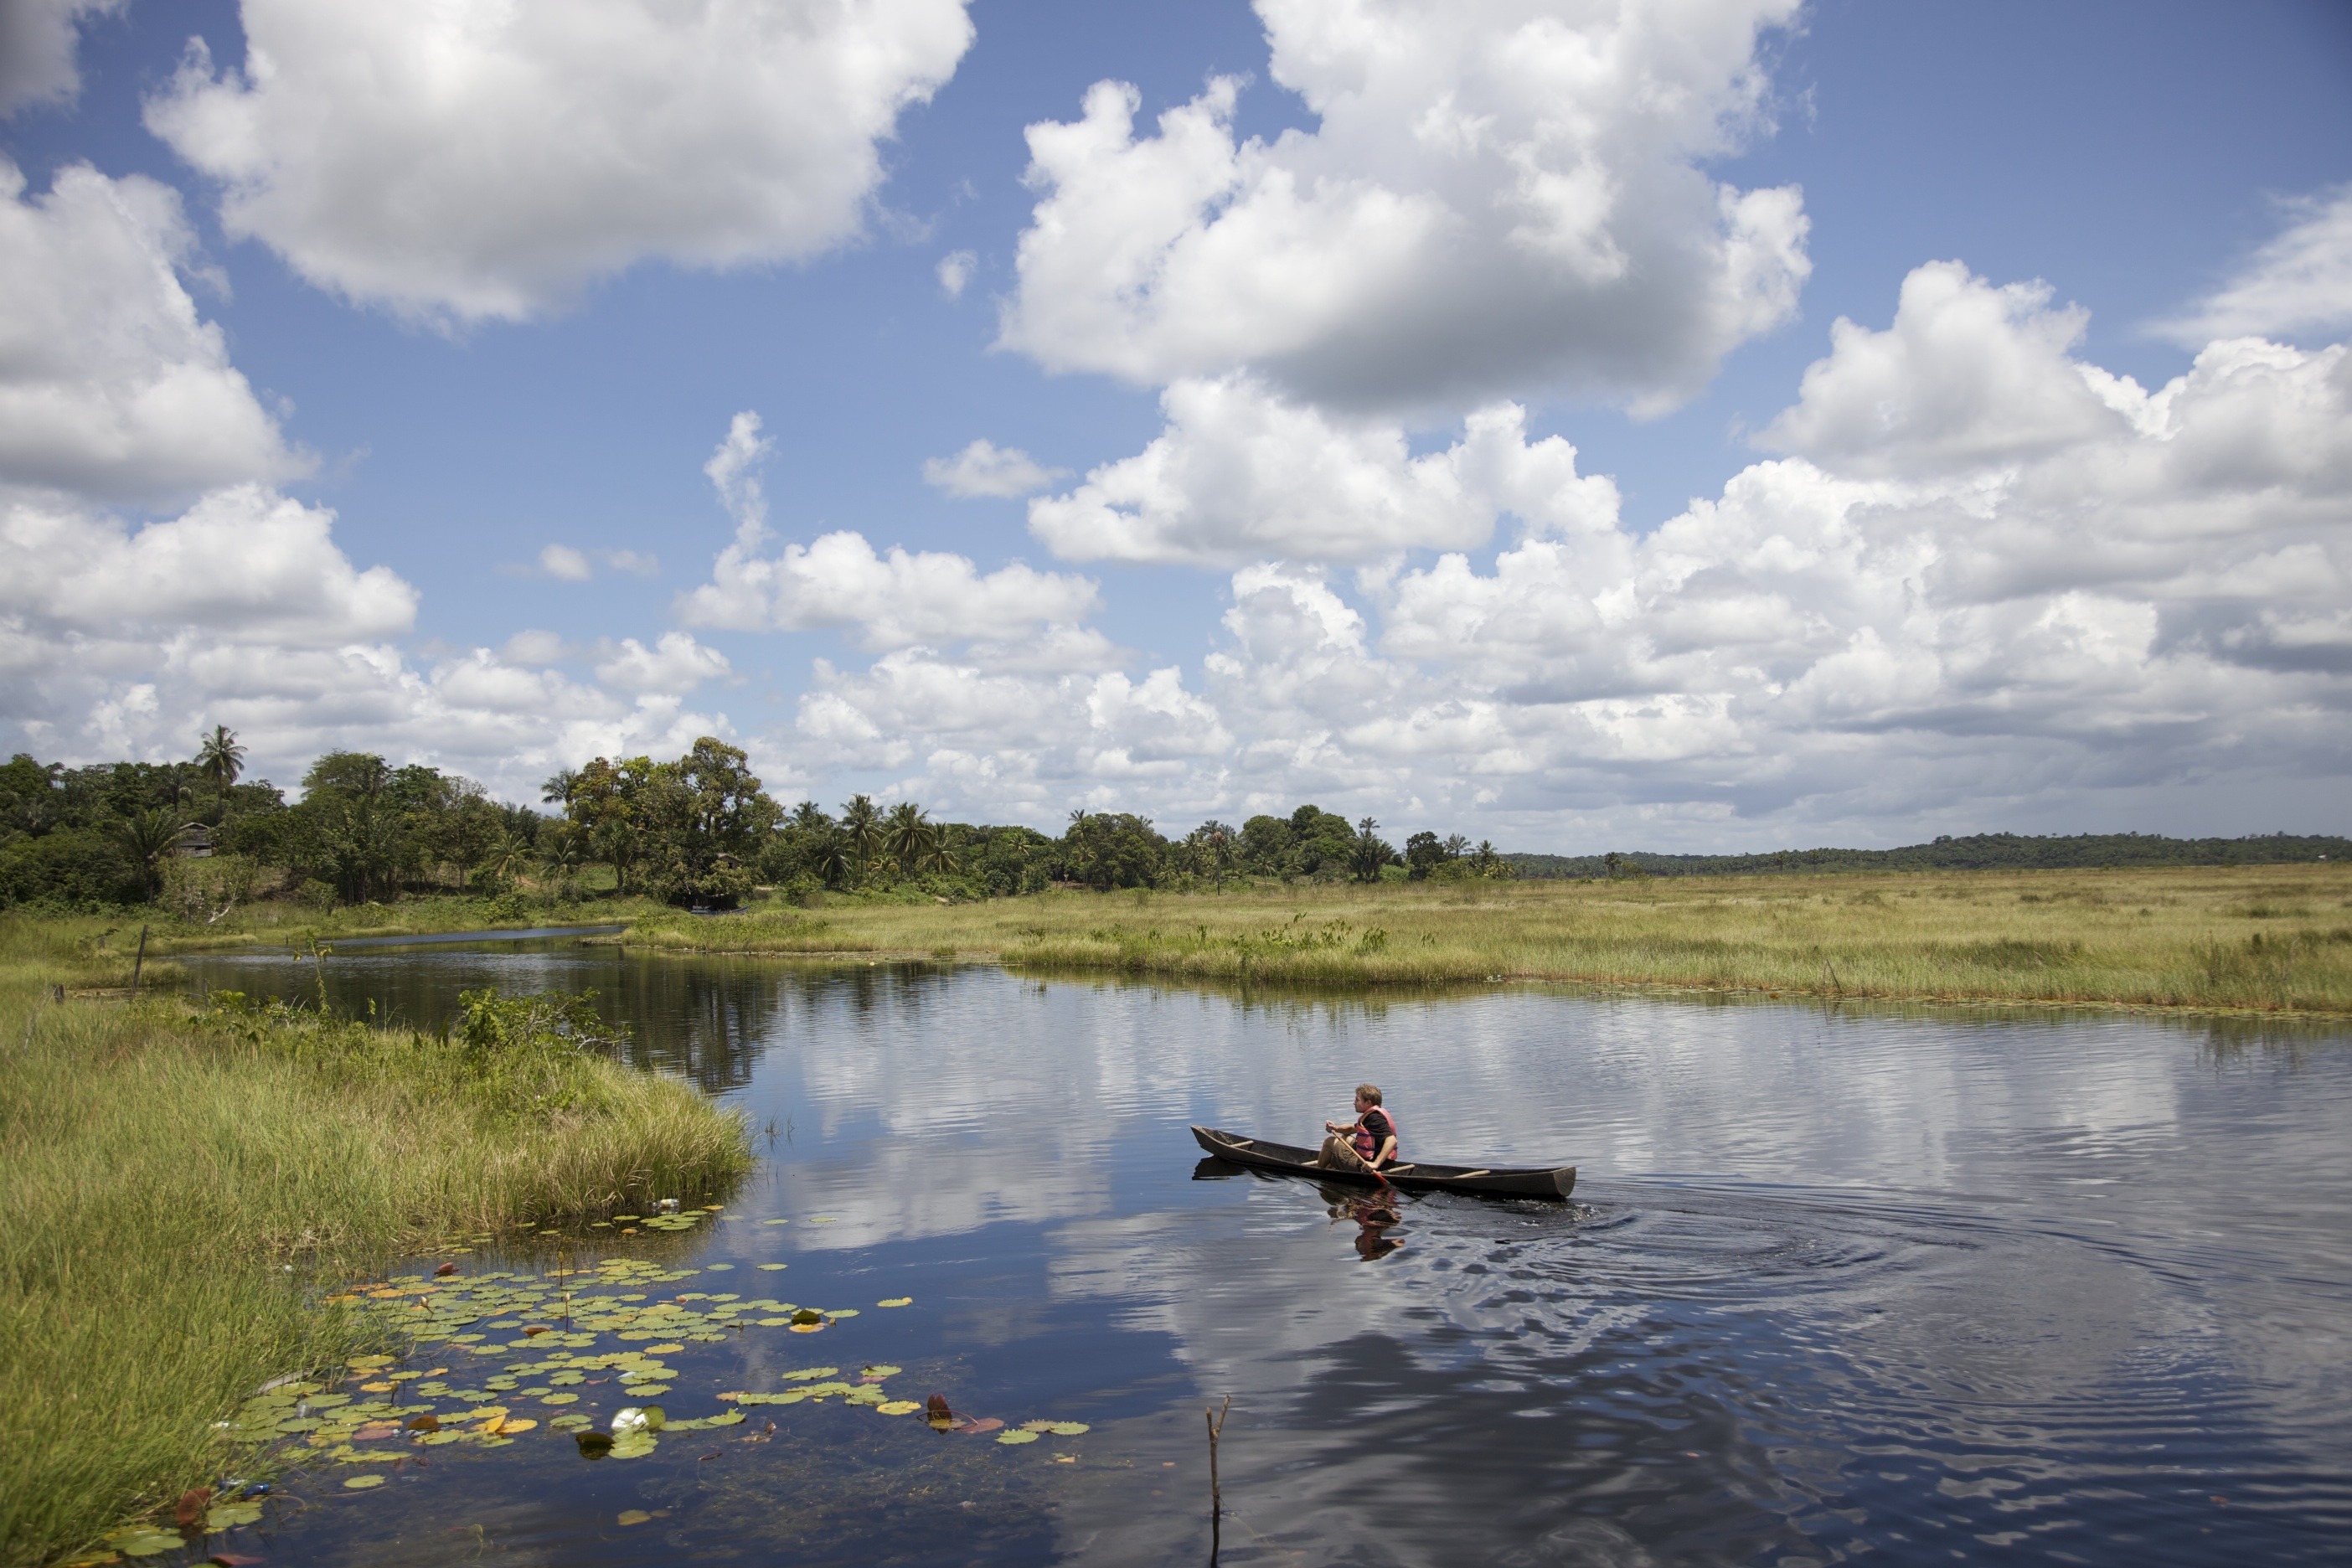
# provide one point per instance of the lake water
(1915, 1285)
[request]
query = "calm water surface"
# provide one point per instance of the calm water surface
(1836, 1284)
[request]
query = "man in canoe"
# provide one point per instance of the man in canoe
(1368, 1143)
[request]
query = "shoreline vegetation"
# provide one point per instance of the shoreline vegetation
(2267, 938)
(185, 1184)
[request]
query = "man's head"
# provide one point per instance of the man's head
(1367, 1096)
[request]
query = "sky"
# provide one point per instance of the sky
(1702, 424)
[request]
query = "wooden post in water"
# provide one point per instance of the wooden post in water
(1216, 1421)
(138, 962)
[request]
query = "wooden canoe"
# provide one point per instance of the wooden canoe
(1411, 1175)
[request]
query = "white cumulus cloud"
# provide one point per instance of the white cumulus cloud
(560, 561)
(36, 49)
(111, 384)
(1242, 472)
(1499, 196)
(985, 468)
(2300, 283)
(673, 666)
(884, 600)
(488, 162)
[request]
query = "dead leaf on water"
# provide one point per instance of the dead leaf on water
(634, 1516)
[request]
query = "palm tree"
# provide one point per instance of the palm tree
(1367, 854)
(833, 860)
(220, 757)
(500, 861)
(862, 825)
(556, 790)
(911, 837)
(147, 837)
(563, 849)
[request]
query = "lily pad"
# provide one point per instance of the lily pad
(897, 1302)
(561, 1399)
(634, 1516)
(362, 1483)
(1036, 1425)
(634, 1418)
(570, 1421)
(775, 1222)
(810, 1373)
(1068, 1428)
(664, 1350)
(1016, 1436)
(144, 1540)
(229, 1515)
(436, 1439)
(635, 1446)
(900, 1406)
(884, 1371)
(647, 1390)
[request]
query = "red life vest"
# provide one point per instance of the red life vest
(1368, 1146)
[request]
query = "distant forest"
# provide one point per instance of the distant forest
(699, 830)
(199, 838)
(1977, 852)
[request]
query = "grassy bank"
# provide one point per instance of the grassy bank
(181, 1187)
(2266, 939)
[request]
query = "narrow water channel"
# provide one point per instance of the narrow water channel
(1899, 1284)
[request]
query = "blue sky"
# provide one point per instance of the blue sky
(455, 332)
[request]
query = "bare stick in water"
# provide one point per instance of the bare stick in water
(139, 963)
(1216, 1420)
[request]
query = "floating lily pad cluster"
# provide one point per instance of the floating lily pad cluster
(569, 1322)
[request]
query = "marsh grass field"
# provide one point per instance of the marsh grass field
(183, 1185)
(2271, 939)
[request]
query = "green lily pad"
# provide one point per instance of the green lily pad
(775, 1222)
(1068, 1428)
(897, 1302)
(770, 1268)
(301, 1424)
(1016, 1437)
(841, 1311)
(436, 1439)
(635, 1445)
(362, 1483)
(810, 1373)
(899, 1406)
(143, 1541)
(329, 1401)
(884, 1371)
(647, 1390)
(229, 1515)
(570, 1421)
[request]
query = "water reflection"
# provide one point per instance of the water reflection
(1908, 1283)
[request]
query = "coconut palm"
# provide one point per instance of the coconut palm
(220, 757)
(861, 823)
(911, 837)
(1368, 854)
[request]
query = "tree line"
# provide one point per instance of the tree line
(697, 831)
(1972, 852)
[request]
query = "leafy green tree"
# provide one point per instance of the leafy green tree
(912, 839)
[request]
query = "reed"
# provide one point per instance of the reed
(182, 1188)
(2274, 939)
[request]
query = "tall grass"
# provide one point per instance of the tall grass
(181, 1188)
(2265, 939)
